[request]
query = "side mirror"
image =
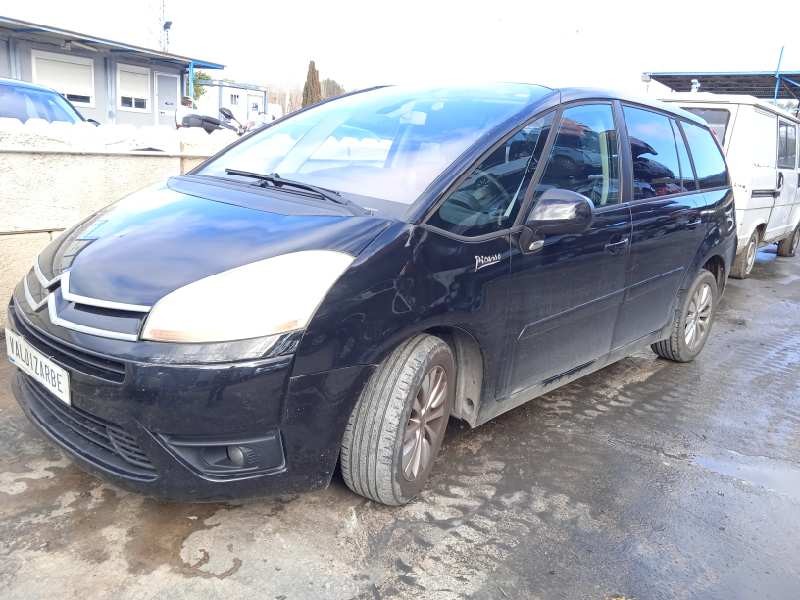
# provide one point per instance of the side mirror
(560, 212)
(93, 122)
(226, 112)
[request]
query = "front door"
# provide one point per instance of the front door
(565, 295)
(780, 221)
(166, 98)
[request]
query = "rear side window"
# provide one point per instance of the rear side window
(707, 157)
(489, 199)
(585, 156)
(717, 119)
(787, 145)
(656, 170)
(687, 173)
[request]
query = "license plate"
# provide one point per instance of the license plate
(38, 366)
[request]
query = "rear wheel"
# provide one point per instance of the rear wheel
(692, 322)
(788, 246)
(397, 427)
(743, 265)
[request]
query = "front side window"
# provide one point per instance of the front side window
(489, 198)
(656, 170)
(787, 145)
(585, 157)
(708, 160)
(717, 119)
(387, 144)
(133, 88)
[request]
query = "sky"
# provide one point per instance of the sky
(360, 43)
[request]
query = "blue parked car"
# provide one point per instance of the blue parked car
(23, 101)
(335, 287)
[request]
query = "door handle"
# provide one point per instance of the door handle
(779, 187)
(694, 224)
(616, 247)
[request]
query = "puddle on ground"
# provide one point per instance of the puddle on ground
(769, 473)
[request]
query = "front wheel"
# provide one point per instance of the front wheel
(743, 264)
(396, 429)
(692, 322)
(788, 246)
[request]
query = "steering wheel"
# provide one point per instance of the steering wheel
(502, 199)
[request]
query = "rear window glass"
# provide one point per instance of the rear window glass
(18, 102)
(707, 157)
(656, 170)
(687, 174)
(717, 119)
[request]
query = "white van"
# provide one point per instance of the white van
(760, 144)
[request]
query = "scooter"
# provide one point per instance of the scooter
(211, 124)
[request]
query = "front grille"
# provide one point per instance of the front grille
(97, 440)
(68, 356)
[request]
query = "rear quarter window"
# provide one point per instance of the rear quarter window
(709, 163)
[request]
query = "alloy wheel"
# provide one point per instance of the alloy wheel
(698, 317)
(426, 424)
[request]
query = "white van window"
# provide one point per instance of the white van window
(717, 119)
(787, 145)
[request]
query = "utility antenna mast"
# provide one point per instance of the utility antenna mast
(165, 27)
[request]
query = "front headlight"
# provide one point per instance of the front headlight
(264, 298)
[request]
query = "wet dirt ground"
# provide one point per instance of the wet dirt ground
(645, 480)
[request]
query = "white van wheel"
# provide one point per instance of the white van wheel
(743, 264)
(788, 246)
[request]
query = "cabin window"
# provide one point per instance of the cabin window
(133, 88)
(70, 76)
(787, 145)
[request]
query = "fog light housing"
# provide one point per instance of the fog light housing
(225, 458)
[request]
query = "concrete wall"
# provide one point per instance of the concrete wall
(44, 192)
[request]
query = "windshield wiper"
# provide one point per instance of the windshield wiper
(278, 181)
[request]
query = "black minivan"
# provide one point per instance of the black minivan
(334, 287)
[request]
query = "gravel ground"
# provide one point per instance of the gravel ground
(645, 480)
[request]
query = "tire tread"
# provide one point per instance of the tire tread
(367, 450)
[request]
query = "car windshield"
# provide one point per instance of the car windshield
(388, 143)
(23, 103)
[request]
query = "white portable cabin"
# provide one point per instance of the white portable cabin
(760, 142)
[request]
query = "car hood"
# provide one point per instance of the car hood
(162, 238)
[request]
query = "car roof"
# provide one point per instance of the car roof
(25, 84)
(581, 93)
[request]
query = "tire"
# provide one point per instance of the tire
(679, 346)
(743, 264)
(380, 428)
(787, 247)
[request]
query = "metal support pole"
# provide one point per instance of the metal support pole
(190, 91)
(778, 75)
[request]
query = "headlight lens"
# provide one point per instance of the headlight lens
(264, 298)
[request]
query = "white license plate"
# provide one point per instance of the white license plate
(38, 366)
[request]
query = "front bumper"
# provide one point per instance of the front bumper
(131, 421)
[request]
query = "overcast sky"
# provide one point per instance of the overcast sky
(362, 43)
